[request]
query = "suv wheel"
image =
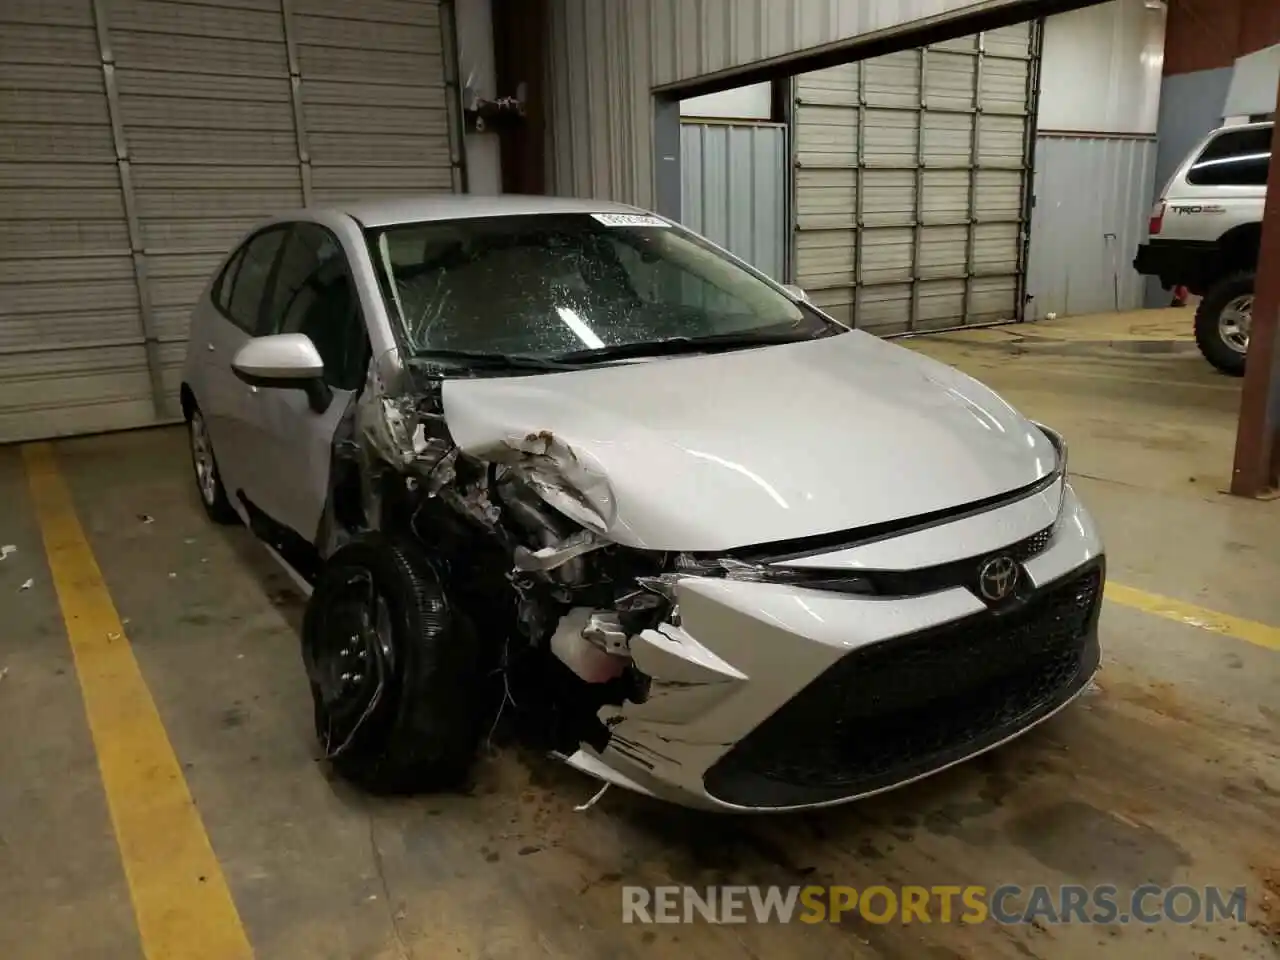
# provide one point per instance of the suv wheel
(1223, 321)
(213, 496)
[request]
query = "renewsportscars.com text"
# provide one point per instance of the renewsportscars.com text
(1006, 904)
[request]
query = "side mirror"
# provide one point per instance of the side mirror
(284, 361)
(797, 292)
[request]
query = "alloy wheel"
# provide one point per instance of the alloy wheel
(1234, 323)
(202, 460)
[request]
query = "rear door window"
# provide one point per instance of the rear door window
(1234, 158)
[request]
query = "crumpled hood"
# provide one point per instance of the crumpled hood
(734, 449)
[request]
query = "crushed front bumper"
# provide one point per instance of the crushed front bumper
(773, 698)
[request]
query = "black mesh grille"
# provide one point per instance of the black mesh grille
(897, 709)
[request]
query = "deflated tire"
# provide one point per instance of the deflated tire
(396, 671)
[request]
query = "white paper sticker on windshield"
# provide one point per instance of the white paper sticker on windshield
(630, 220)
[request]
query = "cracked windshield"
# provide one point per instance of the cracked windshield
(575, 288)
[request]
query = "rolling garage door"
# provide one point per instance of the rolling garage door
(911, 179)
(139, 138)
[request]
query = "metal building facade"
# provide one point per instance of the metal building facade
(1093, 198)
(1096, 149)
(140, 138)
(735, 189)
(911, 183)
(607, 56)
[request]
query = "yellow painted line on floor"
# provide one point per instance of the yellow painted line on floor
(180, 897)
(1250, 631)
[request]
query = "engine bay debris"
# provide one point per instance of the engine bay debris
(522, 523)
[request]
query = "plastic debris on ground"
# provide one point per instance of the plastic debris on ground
(28, 585)
(583, 807)
(7, 549)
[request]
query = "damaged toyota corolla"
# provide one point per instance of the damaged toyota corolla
(568, 462)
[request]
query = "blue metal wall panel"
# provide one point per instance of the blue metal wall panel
(734, 189)
(1093, 199)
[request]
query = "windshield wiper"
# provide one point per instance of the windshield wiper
(678, 345)
(479, 360)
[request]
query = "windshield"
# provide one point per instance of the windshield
(574, 286)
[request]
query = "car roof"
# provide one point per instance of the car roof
(447, 206)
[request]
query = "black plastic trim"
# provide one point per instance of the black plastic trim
(781, 551)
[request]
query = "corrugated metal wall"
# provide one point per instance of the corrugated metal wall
(735, 189)
(606, 56)
(139, 138)
(1093, 196)
(1095, 158)
(693, 39)
(910, 183)
(71, 336)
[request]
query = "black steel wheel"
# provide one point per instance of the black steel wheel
(396, 671)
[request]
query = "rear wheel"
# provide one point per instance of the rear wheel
(213, 496)
(1223, 321)
(397, 672)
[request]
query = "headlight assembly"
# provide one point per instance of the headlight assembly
(1060, 469)
(687, 566)
(591, 508)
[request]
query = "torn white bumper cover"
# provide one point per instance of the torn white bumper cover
(781, 600)
(774, 697)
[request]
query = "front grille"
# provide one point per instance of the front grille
(957, 573)
(900, 708)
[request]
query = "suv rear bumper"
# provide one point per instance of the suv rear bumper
(1188, 263)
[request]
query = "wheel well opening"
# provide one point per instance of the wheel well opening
(1239, 248)
(347, 494)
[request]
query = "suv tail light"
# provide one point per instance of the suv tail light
(1157, 218)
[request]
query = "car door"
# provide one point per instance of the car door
(313, 293)
(236, 303)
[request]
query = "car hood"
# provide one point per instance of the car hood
(716, 451)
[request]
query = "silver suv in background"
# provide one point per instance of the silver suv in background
(1205, 232)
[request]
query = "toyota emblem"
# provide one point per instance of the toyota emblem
(997, 578)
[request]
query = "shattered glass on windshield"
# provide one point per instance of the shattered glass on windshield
(549, 286)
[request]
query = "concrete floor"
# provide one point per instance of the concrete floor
(1169, 773)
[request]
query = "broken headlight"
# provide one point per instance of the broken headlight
(591, 508)
(687, 565)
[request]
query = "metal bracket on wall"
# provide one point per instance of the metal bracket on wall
(975, 154)
(160, 400)
(453, 88)
(859, 190)
(917, 233)
(791, 262)
(295, 98)
(1029, 167)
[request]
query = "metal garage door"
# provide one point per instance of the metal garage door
(139, 138)
(911, 183)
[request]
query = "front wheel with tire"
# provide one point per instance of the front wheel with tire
(213, 496)
(1223, 320)
(396, 671)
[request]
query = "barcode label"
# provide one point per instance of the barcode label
(630, 220)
